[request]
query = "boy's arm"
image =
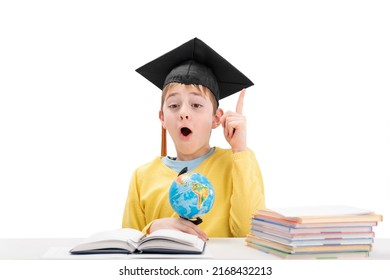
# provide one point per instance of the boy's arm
(134, 216)
(248, 190)
(247, 194)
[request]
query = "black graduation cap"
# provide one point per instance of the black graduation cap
(194, 62)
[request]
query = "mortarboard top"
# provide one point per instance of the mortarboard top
(194, 62)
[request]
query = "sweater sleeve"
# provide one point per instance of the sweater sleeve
(134, 214)
(247, 193)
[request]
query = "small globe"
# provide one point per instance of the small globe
(191, 195)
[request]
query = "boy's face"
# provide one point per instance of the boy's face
(187, 114)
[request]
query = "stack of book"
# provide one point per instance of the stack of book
(314, 232)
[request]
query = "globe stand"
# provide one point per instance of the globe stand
(196, 221)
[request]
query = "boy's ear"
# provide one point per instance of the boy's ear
(161, 117)
(217, 118)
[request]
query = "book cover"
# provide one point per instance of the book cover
(293, 249)
(309, 236)
(320, 214)
(293, 227)
(316, 241)
(309, 256)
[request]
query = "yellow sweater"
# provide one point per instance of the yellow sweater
(237, 182)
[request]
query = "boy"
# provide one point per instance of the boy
(193, 78)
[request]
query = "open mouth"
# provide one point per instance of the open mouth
(185, 131)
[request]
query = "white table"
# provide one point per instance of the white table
(217, 248)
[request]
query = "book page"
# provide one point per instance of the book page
(122, 234)
(326, 210)
(171, 241)
(176, 235)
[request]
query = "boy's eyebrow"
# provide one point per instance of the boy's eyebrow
(172, 94)
(198, 93)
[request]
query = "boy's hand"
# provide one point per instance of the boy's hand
(234, 126)
(178, 224)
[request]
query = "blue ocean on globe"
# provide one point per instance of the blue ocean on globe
(191, 195)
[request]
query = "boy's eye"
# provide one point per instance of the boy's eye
(173, 106)
(196, 105)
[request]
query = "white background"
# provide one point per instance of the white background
(76, 119)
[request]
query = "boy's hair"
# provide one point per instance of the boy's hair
(201, 88)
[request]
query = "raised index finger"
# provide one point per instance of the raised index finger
(240, 102)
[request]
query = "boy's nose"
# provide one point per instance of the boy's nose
(184, 115)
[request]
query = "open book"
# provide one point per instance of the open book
(130, 241)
